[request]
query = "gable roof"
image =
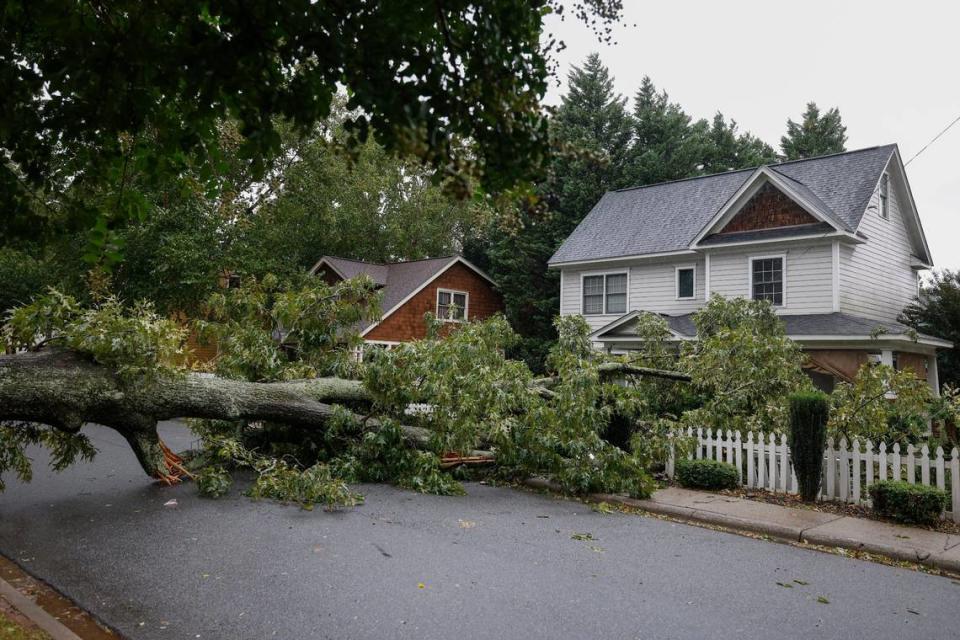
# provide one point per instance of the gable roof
(399, 281)
(668, 217)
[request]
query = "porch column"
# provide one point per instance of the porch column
(933, 373)
(886, 357)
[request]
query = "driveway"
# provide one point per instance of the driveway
(498, 563)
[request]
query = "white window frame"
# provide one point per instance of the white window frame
(618, 272)
(883, 194)
(466, 304)
(676, 281)
(783, 258)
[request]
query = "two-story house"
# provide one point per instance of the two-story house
(834, 243)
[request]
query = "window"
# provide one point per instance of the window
(766, 279)
(605, 294)
(233, 281)
(686, 282)
(885, 197)
(452, 305)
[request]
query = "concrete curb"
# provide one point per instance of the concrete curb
(947, 560)
(53, 627)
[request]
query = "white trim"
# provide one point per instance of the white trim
(886, 337)
(676, 280)
(323, 260)
(613, 272)
(637, 256)
(883, 204)
(423, 286)
(385, 343)
(842, 235)
(706, 277)
(783, 257)
(452, 292)
(835, 268)
(748, 189)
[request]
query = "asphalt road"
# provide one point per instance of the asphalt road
(498, 563)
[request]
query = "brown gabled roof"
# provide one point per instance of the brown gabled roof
(399, 280)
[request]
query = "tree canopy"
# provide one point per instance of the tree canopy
(815, 135)
(936, 312)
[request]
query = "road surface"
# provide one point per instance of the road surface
(498, 563)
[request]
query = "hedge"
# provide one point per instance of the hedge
(706, 474)
(809, 414)
(905, 502)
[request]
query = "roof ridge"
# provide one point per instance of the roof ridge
(773, 165)
(388, 264)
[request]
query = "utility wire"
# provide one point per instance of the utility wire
(956, 120)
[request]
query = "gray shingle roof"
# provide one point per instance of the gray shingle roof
(668, 216)
(816, 324)
(397, 279)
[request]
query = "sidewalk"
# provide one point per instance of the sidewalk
(940, 550)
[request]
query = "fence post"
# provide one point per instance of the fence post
(895, 472)
(925, 465)
(670, 459)
(844, 476)
(882, 459)
(911, 464)
(761, 462)
(749, 447)
(831, 469)
(955, 483)
(699, 454)
(869, 447)
(939, 464)
(784, 462)
(855, 476)
(772, 466)
(738, 455)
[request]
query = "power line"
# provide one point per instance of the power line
(956, 120)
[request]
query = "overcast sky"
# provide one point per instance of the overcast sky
(891, 68)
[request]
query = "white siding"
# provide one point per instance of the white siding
(876, 280)
(570, 296)
(653, 287)
(809, 276)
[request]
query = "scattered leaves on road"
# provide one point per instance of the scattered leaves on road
(582, 536)
(801, 582)
(602, 507)
(785, 584)
(822, 600)
(467, 524)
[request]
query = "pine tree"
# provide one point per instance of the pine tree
(725, 149)
(666, 146)
(591, 133)
(815, 135)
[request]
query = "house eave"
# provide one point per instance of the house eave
(624, 258)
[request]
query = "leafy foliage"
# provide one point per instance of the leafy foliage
(134, 340)
(910, 503)
(744, 364)
(882, 404)
(937, 312)
(809, 414)
(424, 80)
(65, 448)
(815, 135)
(274, 330)
(706, 474)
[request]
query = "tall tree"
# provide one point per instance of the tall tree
(666, 146)
(93, 92)
(815, 135)
(591, 130)
(726, 149)
(937, 312)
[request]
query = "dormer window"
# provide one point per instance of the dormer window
(885, 197)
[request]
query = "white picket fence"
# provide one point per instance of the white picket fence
(763, 461)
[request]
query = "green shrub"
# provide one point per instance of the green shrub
(707, 474)
(809, 414)
(914, 503)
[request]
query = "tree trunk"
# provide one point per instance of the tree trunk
(64, 389)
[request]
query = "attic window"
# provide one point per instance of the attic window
(452, 305)
(604, 294)
(885, 197)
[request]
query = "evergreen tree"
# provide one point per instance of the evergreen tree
(815, 135)
(666, 146)
(726, 149)
(936, 312)
(591, 132)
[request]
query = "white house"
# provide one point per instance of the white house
(834, 242)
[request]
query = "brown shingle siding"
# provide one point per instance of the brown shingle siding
(406, 323)
(769, 208)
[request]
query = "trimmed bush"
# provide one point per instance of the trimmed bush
(905, 502)
(809, 413)
(707, 474)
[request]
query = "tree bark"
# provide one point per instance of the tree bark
(65, 390)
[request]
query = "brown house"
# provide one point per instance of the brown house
(450, 287)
